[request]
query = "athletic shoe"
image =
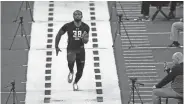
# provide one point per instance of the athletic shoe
(70, 77)
(75, 87)
(174, 44)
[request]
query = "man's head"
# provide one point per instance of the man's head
(77, 15)
(177, 58)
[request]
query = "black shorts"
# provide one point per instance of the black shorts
(76, 55)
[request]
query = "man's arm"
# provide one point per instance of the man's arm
(168, 78)
(59, 34)
(86, 35)
(58, 37)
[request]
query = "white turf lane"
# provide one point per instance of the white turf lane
(61, 90)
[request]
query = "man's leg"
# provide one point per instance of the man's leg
(71, 57)
(172, 12)
(163, 93)
(175, 28)
(80, 61)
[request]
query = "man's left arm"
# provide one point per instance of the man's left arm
(86, 35)
(170, 76)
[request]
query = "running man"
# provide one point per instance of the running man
(78, 35)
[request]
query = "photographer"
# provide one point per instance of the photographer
(176, 90)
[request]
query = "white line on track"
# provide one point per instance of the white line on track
(138, 51)
(132, 28)
(142, 73)
(160, 47)
(155, 63)
(138, 54)
(142, 76)
(140, 57)
(148, 80)
(122, 30)
(154, 33)
(140, 66)
(134, 39)
(137, 45)
(140, 69)
(143, 36)
(127, 25)
(135, 42)
(9, 92)
(139, 60)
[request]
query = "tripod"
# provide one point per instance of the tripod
(23, 32)
(12, 91)
(133, 87)
(27, 7)
(118, 30)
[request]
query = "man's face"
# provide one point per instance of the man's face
(77, 15)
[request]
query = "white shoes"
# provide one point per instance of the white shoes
(75, 87)
(70, 77)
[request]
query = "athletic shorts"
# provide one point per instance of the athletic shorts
(77, 55)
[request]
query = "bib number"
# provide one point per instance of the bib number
(77, 34)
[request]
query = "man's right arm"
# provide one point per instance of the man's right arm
(59, 34)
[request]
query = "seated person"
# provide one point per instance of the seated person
(146, 4)
(175, 29)
(176, 89)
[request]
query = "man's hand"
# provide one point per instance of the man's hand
(57, 50)
(181, 20)
(154, 87)
(85, 37)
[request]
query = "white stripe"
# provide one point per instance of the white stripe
(142, 99)
(144, 63)
(150, 83)
(127, 3)
(129, 11)
(142, 73)
(22, 101)
(143, 95)
(131, 30)
(135, 36)
(135, 39)
(135, 45)
(127, 25)
(138, 51)
(145, 80)
(156, 47)
(23, 82)
(140, 57)
(140, 69)
(142, 76)
(145, 91)
(136, 42)
(139, 60)
(146, 87)
(9, 92)
(130, 15)
(141, 66)
(132, 8)
(133, 22)
(139, 54)
(128, 28)
(154, 33)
